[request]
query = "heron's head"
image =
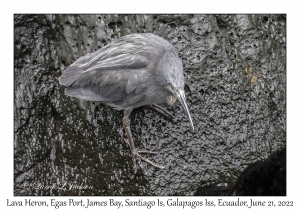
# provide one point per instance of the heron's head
(174, 82)
(178, 92)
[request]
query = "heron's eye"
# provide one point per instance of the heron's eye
(168, 83)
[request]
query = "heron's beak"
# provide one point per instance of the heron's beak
(181, 97)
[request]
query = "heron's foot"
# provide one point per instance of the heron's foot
(136, 155)
(161, 110)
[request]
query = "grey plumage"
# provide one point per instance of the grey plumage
(136, 70)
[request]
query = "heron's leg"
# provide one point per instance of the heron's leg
(135, 152)
(161, 110)
(126, 124)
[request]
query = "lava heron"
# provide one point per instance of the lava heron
(136, 70)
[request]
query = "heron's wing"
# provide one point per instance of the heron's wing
(80, 72)
(132, 51)
(129, 52)
(124, 88)
(116, 72)
(110, 85)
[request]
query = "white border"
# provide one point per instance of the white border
(8, 8)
